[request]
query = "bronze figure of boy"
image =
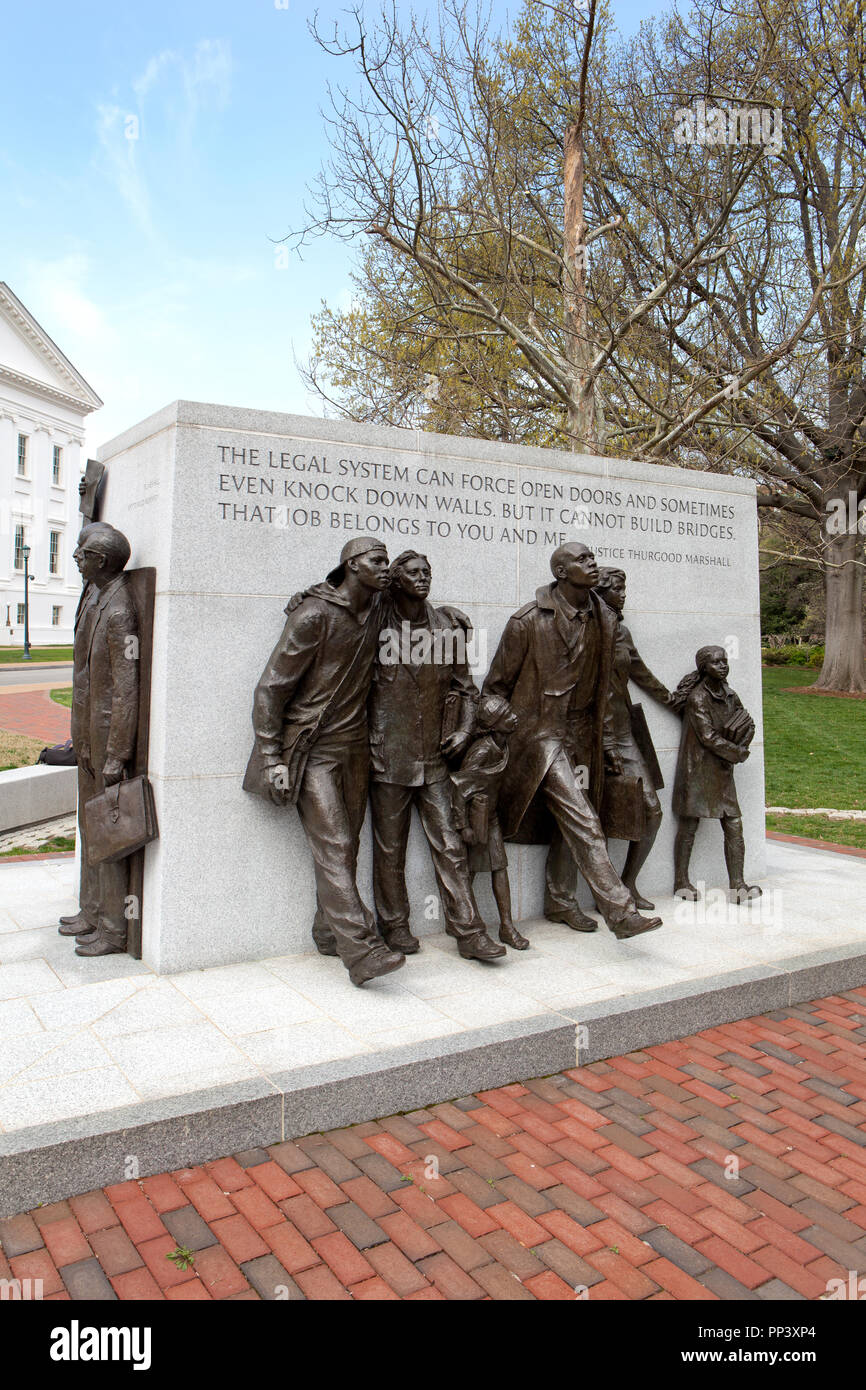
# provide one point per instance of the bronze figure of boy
(475, 794)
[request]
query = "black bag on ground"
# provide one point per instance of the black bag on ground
(59, 755)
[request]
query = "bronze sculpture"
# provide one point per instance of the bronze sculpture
(554, 665)
(630, 807)
(475, 793)
(421, 687)
(716, 734)
(311, 745)
(105, 696)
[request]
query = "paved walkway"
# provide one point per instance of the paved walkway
(34, 713)
(728, 1165)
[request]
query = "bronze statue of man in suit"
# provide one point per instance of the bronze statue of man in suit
(105, 695)
(554, 665)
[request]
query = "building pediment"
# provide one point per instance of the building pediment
(31, 360)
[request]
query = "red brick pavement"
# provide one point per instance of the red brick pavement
(726, 1165)
(33, 712)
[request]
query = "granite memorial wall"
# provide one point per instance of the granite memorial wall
(238, 509)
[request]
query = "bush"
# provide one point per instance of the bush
(793, 655)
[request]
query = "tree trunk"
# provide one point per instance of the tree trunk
(843, 667)
(583, 430)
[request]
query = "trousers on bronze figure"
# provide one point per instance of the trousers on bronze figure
(421, 677)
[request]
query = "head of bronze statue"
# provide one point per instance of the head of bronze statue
(410, 573)
(574, 565)
(712, 662)
(101, 553)
(493, 713)
(611, 587)
(366, 559)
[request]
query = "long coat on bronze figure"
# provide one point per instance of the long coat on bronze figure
(105, 694)
(536, 668)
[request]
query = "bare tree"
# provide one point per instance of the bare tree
(757, 364)
(444, 159)
(546, 260)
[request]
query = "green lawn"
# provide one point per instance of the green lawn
(17, 750)
(57, 844)
(12, 655)
(814, 746)
(63, 696)
(838, 832)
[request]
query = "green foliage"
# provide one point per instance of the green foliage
(785, 597)
(63, 696)
(793, 655)
(183, 1257)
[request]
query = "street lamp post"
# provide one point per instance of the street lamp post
(25, 551)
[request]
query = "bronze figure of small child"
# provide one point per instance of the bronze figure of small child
(716, 734)
(475, 793)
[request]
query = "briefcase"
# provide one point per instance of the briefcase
(120, 820)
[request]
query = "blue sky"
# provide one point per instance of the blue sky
(148, 259)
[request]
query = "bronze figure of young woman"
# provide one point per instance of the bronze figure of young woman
(631, 809)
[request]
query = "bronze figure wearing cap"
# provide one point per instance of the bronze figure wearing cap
(311, 745)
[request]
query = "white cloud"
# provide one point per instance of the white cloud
(71, 317)
(177, 88)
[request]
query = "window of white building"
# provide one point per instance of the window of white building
(20, 612)
(19, 547)
(22, 456)
(57, 466)
(56, 614)
(54, 552)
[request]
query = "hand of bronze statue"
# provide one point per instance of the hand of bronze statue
(294, 601)
(275, 775)
(112, 771)
(612, 763)
(457, 616)
(467, 835)
(454, 744)
(82, 757)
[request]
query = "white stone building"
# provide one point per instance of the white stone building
(43, 404)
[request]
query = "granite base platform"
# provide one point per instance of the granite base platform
(108, 1071)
